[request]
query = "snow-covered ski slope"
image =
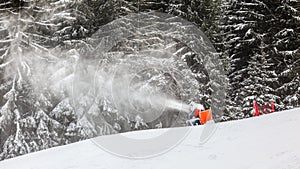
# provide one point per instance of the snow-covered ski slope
(265, 142)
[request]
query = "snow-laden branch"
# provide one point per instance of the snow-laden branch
(6, 64)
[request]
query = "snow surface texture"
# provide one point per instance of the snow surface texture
(270, 141)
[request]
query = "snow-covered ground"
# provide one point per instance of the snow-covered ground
(265, 142)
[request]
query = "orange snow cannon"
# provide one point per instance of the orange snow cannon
(205, 116)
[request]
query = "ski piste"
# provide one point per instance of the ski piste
(267, 141)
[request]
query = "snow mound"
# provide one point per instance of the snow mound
(270, 141)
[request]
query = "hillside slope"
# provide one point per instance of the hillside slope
(270, 141)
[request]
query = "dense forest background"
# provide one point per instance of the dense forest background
(257, 41)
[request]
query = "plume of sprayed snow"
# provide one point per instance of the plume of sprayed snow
(71, 75)
(178, 105)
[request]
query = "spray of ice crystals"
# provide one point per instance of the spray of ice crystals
(178, 105)
(160, 101)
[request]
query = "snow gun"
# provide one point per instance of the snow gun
(199, 115)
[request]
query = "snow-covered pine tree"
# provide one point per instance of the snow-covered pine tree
(13, 69)
(27, 29)
(232, 27)
(9, 120)
(177, 8)
(257, 86)
(74, 22)
(217, 37)
(203, 13)
(285, 32)
(209, 12)
(245, 24)
(90, 15)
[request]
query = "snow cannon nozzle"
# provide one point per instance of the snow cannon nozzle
(194, 106)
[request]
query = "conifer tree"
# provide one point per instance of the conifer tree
(286, 43)
(246, 42)
(27, 27)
